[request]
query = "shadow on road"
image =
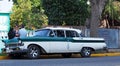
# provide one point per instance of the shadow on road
(56, 56)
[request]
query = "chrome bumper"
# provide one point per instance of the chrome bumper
(13, 50)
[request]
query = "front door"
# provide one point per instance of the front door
(59, 43)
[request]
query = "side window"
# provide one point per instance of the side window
(51, 34)
(71, 33)
(42, 33)
(59, 33)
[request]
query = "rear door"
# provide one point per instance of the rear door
(73, 39)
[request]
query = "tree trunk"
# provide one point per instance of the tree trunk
(97, 7)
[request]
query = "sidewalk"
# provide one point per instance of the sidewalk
(114, 50)
(111, 52)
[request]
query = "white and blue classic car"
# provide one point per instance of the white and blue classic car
(54, 40)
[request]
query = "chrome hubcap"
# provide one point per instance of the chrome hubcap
(33, 52)
(87, 51)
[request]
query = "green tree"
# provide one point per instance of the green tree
(38, 17)
(21, 12)
(112, 9)
(66, 12)
(28, 12)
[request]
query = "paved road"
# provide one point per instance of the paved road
(93, 61)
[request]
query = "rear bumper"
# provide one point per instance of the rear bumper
(104, 49)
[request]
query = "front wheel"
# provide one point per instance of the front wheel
(33, 52)
(86, 52)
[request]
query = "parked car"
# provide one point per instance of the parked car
(54, 40)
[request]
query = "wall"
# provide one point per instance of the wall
(111, 37)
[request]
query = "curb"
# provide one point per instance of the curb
(4, 57)
(106, 54)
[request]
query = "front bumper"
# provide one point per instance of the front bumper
(14, 47)
(14, 50)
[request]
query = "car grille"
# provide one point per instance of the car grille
(13, 45)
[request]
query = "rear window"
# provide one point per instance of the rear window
(71, 34)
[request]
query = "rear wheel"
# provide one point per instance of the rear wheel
(34, 52)
(67, 55)
(86, 52)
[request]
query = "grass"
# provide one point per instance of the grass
(2, 54)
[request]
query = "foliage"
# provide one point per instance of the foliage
(116, 13)
(113, 9)
(59, 12)
(66, 12)
(28, 12)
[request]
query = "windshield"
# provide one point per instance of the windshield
(42, 33)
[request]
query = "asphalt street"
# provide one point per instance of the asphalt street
(92, 61)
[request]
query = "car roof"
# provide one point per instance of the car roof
(63, 28)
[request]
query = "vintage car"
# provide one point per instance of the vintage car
(54, 40)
